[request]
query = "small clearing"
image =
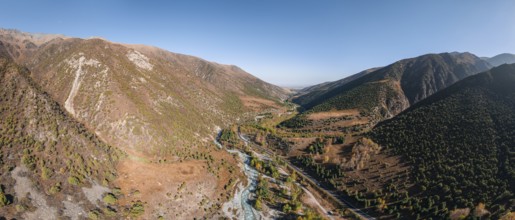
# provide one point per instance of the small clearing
(256, 103)
(24, 188)
(94, 194)
(73, 210)
(333, 114)
(168, 189)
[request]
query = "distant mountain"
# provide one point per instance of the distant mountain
(460, 145)
(140, 97)
(387, 91)
(311, 93)
(52, 166)
(501, 59)
(20, 45)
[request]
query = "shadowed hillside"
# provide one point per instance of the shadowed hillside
(387, 91)
(460, 144)
(314, 92)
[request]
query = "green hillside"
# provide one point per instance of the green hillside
(364, 97)
(312, 93)
(404, 83)
(460, 143)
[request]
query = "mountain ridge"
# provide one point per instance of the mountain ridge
(387, 91)
(138, 80)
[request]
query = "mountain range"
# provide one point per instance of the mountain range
(397, 85)
(109, 130)
(308, 95)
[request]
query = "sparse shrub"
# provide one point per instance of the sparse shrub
(110, 199)
(258, 204)
(93, 215)
(3, 199)
(117, 191)
(109, 212)
(55, 189)
(28, 160)
(137, 209)
(20, 208)
(46, 173)
(73, 180)
(286, 208)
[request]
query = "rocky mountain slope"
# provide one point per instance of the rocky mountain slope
(142, 98)
(472, 120)
(52, 166)
(20, 46)
(162, 109)
(387, 91)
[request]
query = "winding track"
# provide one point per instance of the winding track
(330, 193)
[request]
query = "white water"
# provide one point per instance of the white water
(249, 212)
(241, 200)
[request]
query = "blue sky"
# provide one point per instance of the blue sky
(286, 42)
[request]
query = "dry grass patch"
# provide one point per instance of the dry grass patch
(174, 189)
(333, 114)
(256, 103)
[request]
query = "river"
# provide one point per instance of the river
(241, 199)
